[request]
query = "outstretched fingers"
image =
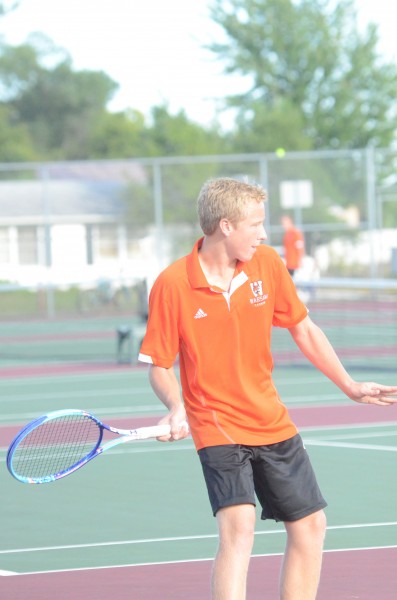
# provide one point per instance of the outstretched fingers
(376, 393)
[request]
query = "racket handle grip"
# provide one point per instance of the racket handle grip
(158, 430)
(165, 429)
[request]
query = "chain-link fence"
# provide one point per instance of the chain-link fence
(107, 225)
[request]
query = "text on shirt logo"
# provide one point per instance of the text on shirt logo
(259, 297)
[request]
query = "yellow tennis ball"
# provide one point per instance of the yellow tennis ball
(280, 152)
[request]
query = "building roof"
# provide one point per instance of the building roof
(35, 201)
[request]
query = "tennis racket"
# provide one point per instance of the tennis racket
(59, 443)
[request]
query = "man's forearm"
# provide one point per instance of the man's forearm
(166, 386)
(314, 344)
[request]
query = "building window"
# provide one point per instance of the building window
(133, 243)
(4, 245)
(107, 242)
(27, 246)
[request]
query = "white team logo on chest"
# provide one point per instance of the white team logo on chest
(257, 290)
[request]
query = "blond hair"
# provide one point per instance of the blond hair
(226, 198)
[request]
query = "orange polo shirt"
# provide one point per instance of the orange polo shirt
(223, 340)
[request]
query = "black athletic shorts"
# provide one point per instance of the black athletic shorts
(279, 475)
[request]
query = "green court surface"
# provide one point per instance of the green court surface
(145, 502)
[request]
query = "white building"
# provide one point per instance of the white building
(67, 231)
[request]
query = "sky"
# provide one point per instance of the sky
(153, 48)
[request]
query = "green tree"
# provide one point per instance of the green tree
(128, 134)
(176, 135)
(15, 142)
(57, 104)
(65, 111)
(170, 135)
(307, 61)
(266, 129)
(120, 135)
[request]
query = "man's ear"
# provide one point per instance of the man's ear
(226, 227)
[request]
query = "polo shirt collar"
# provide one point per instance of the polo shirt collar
(195, 273)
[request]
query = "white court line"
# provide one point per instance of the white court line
(159, 408)
(319, 398)
(181, 538)
(133, 372)
(111, 410)
(152, 446)
(358, 436)
(352, 446)
(34, 380)
(135, 447)
(353, 426)
(193, 560)
(93, 393)
(134, 391)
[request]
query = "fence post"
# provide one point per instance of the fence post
(158, 213)
(371, 206)
(264, 181)
(47, 243)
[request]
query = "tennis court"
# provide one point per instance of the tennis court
(136, 521)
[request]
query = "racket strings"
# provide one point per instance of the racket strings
(55, 446)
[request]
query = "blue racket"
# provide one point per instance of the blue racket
(59, 443)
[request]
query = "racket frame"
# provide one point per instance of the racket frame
(125, 435)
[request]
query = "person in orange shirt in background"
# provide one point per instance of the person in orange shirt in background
(216, 308)
(293, 243)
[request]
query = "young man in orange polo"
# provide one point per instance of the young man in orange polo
(293, 243)
(215, 308)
